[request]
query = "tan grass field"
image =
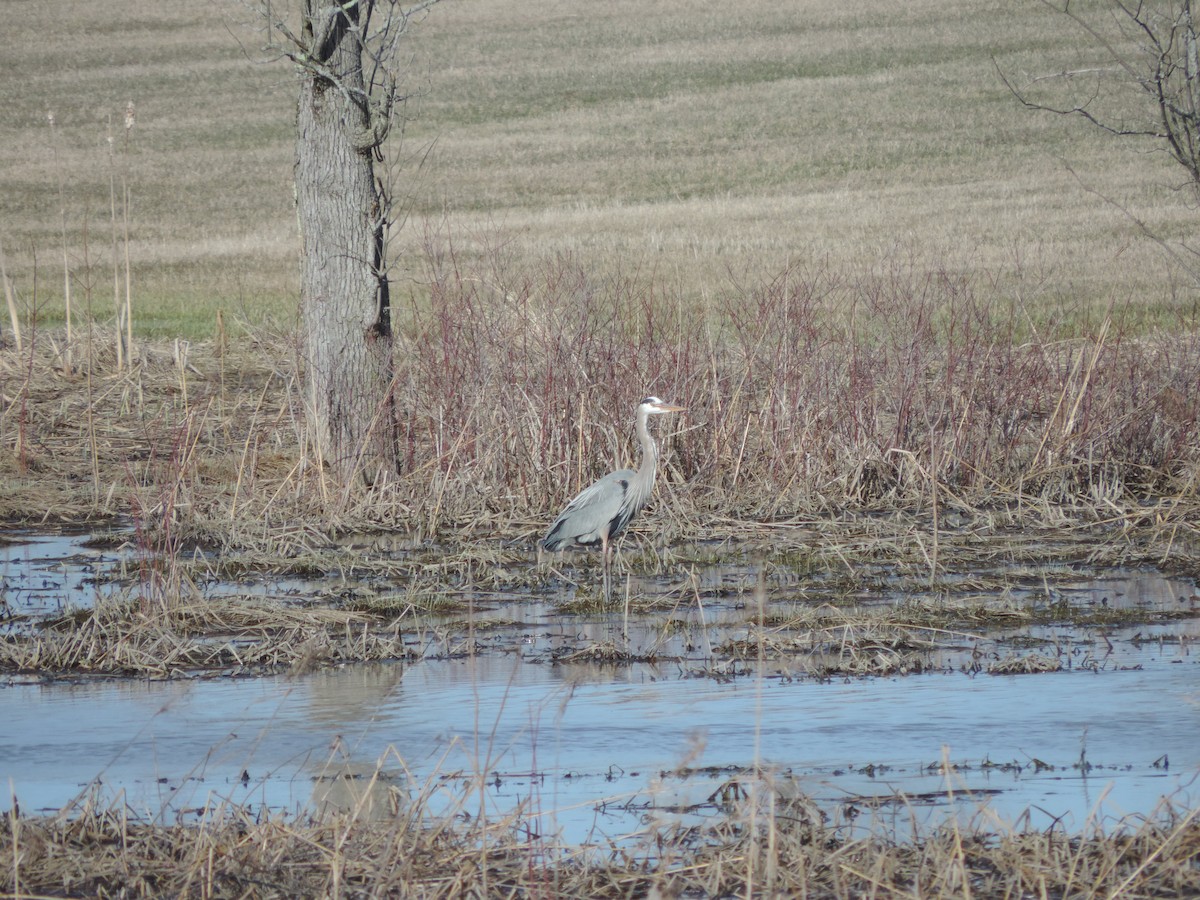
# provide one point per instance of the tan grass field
(710, 147)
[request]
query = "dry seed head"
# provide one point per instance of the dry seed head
(50, 117)
(130, 115)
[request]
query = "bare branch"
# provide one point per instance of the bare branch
(1076, 110)
(1166, 69)
(1158, 53)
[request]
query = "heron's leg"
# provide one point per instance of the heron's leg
(606, 550)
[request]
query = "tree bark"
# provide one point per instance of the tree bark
(344, 292)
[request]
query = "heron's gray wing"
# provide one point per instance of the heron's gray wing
(587, 517)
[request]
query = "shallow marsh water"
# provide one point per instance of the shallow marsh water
(568, 741)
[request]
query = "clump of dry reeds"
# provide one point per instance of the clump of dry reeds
(229, 636)
(770, 844)
(815, 392)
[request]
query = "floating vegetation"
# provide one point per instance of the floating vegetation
(1025, 665)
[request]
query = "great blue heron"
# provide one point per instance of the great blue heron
(601, 511)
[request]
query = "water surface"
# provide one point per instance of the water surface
(587, 749)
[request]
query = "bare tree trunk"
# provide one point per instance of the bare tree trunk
(341, 210)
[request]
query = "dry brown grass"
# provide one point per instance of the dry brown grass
(770, 844)
(820, 394)
(197, 636)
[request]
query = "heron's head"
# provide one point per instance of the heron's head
(656, 405)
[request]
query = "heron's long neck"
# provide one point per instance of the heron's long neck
(649, 450)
